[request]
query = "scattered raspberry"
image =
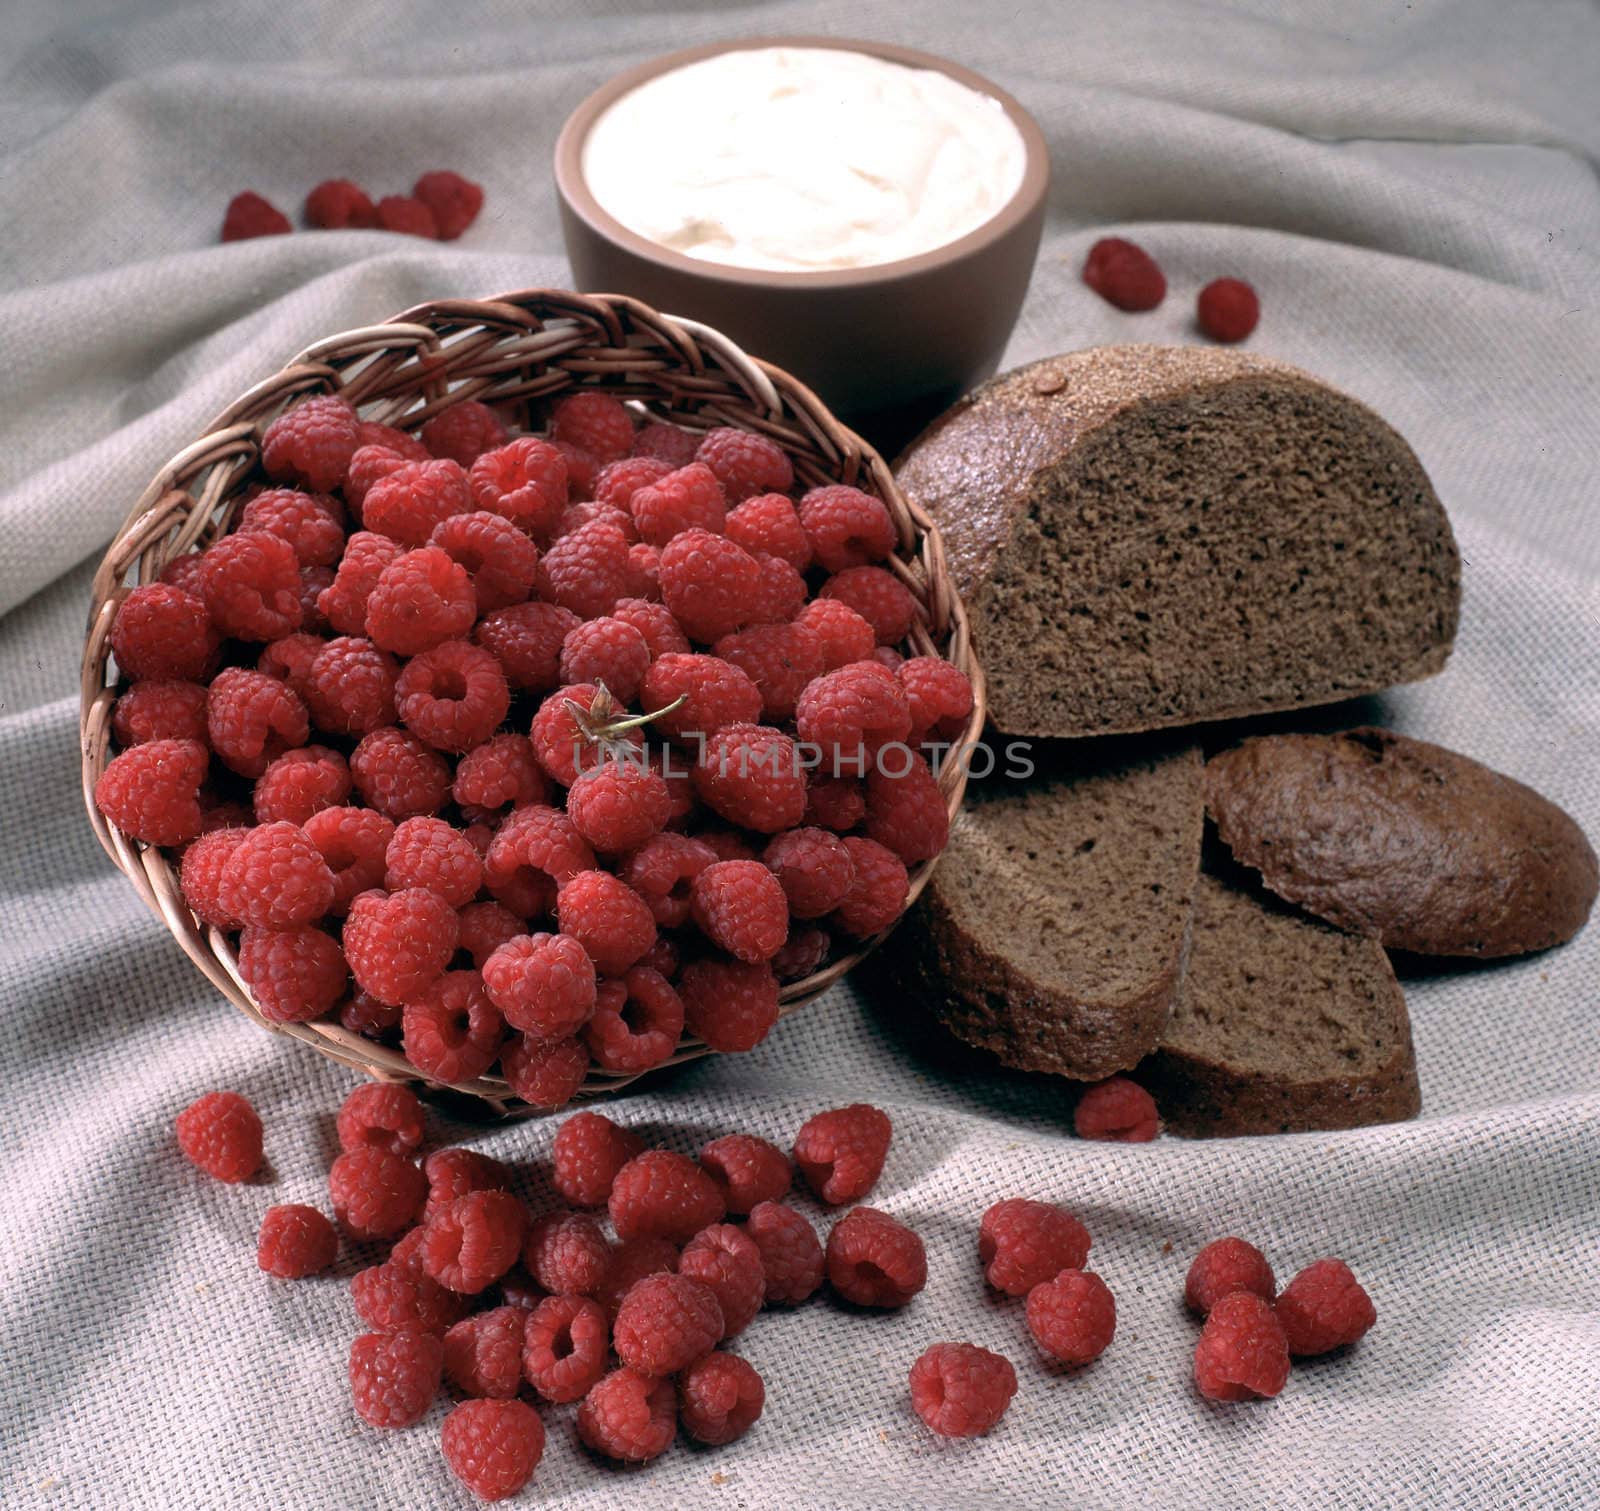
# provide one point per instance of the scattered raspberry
(1073, 1317)
(252, 719)
(661, 872)
(767, 525)
(1116, 1111)
(221, 1134)
(300, 783)
(813, 868)
(719, 1398)
(454, 696)
(454, 1172)
(1227, 309)
(163, 632)
(499, 774)
(151, 792)
(533, 851)
(411, 501)
(366, 554)
(311, 443)
(906, 811)
(398, 943)
(1223, 1266)
(836, 803)
(751, 775)
(588, 1152)
(665, 1323)
(422, 599)
(524, 481)
(689, 499)
(1242, 1353)
(727, 1262)
(593, 422)
(873, 1260)
(295, 1241)
(492, 1447)
(336, 204)
(960, 1390)
(295, 975)
(629, 1416)
(637, 1023)
(1323, 1308)
(842, 634)
(352, 842)
(630, 1263)
(544, 1072)
(747, 1170)
(252, 586)
(398, 775)
(745, 463)
(452, 1032)
(249, 215)
(802, 954)
(499, 558)
(850, 713)
(1022, 1244)
(382, 1115)
(483, 927)
(740, 907)
(781, 659)
(564, 1347)
(660, 1194)
(470, 1244)
(589, 571)
(397, 1296)
(841, 1153)
(310, 522)
(464, 432)
(395, 1376)
(671, 444)
(407, 216)
(201, 876)
(275, 878)
(730, 1004)
(715, 694)
(454, 202)
(846, 527)
(526, 640)
(376, 1194)
(879, 597)
(877, 894)
(1124, 274)
(483, 1353)
(608, 918)
(708, 582)
(568, 1254)
(791, 1255)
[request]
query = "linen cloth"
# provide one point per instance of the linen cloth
(1413, 191)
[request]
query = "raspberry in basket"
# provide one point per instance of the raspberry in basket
(221, 1134)
(368, 467)
(619, 805)
(879, 597)
(637, 1022)
(748, 1170)
(395, 1376)
(464, 431)
(152, 792)
(471, 1243)
(249, 215)
(906, 811)
(534, 850)
(846, 527)
(252, 719)
(589, 571)
(629, 1416)
(739, 906)
(201, 876)
(1242, 1354)
(311, 443)
(661, 871)
(751, 775)
(565, 1341)
(526, 640)
(668, 443)
(727, 1262)
(452, 1031)
(399, 943)
(662, 634)
(589, 512)
(363, 1014)
(299, 783)
(454, 201)
(618, 481)
(1073, 1317)
(588, 1151)
(337, 204)
(252, 586)
(383, 1115)
(715, 694)
(492, 1447)
(544, 1072)
(501, 773)
(353, 842)
(422, 599)
(483, 1353)
(1023, 1243)
(1124, 274)
(454, 696)
(812, 867)
(289, 657)
(310, 522)
(689, 499)
(841, 1153)
(1118, 1111)
(835, 803)
(593, 422)
(1223, 1266)
(1323, 1308)
(344, 602)
(395, 1296)
(295, 1241)
(660, 1194)
(401, 442)
(276, 878)
(767, 525)
(411, 501)
(873, 1260)
(294, 974)
(376, 1194)
(708, 582)
(779, 658)
(802, 954)
(842, 634)
(544, 984)
(719, 1398)
(483, 927)
(878, 889)
(731, 1004)
(407, 216)
(849, 713)
(938, 694)
(567, 1254)
(606, 650)
(608, 918)
(398, 775)
(160, 631)
(745, 463)
(791, 1254)
(499, 558)
(1227, 309)
(524, 481)
(428, 852)
(665, 1323)
(960, 1390)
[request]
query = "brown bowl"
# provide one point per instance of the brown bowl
(887, 346)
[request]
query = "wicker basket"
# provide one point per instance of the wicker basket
(509, 351)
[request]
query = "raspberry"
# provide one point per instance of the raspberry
(665, 1323)
(637, 1023)
(629, 1416)
(748, 1171)
(1124, 274)
(464, 432)
(376, 1194)
(151, 792)
(659, 1194)
(252, 718)
(544, 1072)
(730, 1004)
(534, 850)
(454, 1172)
(411, 501)
(781, 659)
(608, 651)
(618, 481)
(294, 974)
(526, 640)
(184, 572)
(767, 525)
(630, 1263)
(289, 658)
(501, 773)
(1072, 1317)
(654, 621)
(382, 1115)
(791, 1255)
(719, 1398)
(344, 604)
(484, 927)
(841, 1152)
(492, 1447)
(454, 202)
(370, 464)
(1323, 1308)
(422, 599)
(353, 842)
(1022, 1244)
(589, 512)
(745, 463)
(405, 1254)
(588, 571)
(295, 1241)
(750, 774)
(565, 1340)
(499, 558)
(453, 696)
(402, 443)
(780, 594)
(663, 957)
(728, 844)
(582, 470)
(524, 481)
(252, 586)
(689, 499)
(363, 1014)
(888, 658)
(671, 444)
(159, 711)
(336, 204)
(661, 871)
(836, 803)
(593, 422)
(162, 632)
(567, 1254)
(906, 811)
(1227, 309)
(960, 1390)
(311, 443)
(1223, 1266)
(470, 1244)
(483, 1353)
(395, 1376)
(801, 955)
(544, 984)
(588, 1152)
(398, 775)
(727, 1262)
(850, 713)
(608, 918)
(877, 894)
(644, 574)
(670, 766)
(201, 876)
(250, 215)
(407, 216)
(879, 597)
(396, 1296)
(739, 906)
(813, 869)
(428, 852)
(399, 943)
(715, 694)
(843, 636)
(310, 522)
(938, 694)
(300, 783)
(873, 1260)
(275, 878)
(708, 583)
(1115, 1111)
(1242, 1353)
(846, 527)
(221, 1134)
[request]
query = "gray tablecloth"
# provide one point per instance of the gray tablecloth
(1411, 187)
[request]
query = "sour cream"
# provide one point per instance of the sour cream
(802, 159)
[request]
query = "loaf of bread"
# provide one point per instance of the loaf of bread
(1150, 536)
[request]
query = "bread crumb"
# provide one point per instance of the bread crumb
(1166, 1248)
(53, 1482)
(719, 1478)
(883, 1434)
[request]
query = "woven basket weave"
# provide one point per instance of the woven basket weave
(512, 351)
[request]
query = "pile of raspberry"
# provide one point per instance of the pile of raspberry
(1125, 275)
(440, 206)
(533, 752)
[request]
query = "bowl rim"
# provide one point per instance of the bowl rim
(573, 189)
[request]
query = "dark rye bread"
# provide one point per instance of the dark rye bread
(1053, 930)
(1153, 536)
(1282, 1025)
(1404, 842)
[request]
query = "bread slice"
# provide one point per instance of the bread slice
(1405, 842)
(1281, 1025)
(1148, 537)
(1053, 930)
